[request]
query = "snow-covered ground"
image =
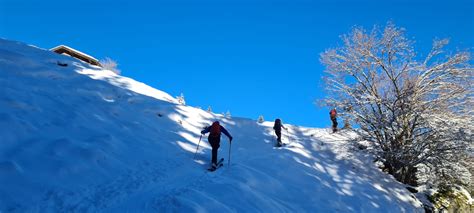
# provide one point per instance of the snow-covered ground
(81, 139)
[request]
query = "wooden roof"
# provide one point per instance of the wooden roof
(63, 49)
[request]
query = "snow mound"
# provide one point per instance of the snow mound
(79, 139)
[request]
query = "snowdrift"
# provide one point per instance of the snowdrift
(77, 138)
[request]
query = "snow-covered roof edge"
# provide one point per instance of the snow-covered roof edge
(72, 49)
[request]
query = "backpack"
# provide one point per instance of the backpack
(215, 129)
(277, 125)
(333, 113)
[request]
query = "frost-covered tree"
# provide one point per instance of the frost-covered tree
(181, 99)
(418, 112)
(260, 119)
(227, 114)
(110, 64)
(209, 109)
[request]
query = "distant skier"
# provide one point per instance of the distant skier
(277, 127)
(214, 139)
(333, 116)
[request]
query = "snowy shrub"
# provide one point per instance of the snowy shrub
(347, 124)
(227, 114)
(181, 99)
(260, 119)
(416, 111)
(209, 109)
(110, 64)
(452, 199)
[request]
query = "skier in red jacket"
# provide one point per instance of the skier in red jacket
(333, 116)
(215, 138)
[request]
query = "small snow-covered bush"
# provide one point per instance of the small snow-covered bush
(347, 124)
(110, 64)
(260, 119)
(181, 99)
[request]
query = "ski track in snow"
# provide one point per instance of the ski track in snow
(81, 139)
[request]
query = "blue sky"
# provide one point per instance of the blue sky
(249, 57)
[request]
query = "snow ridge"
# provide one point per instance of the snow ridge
(80, 139)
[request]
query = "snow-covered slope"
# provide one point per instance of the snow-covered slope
(81, 139)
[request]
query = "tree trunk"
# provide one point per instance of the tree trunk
(403, 173)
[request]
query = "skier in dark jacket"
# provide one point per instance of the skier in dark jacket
(214, 139)
(277, 127)
(333, 116)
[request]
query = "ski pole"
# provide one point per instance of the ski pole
(230, 146)
(197, 147)
(288, 136)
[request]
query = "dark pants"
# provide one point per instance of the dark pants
(215, 144)
(334, 124)
(278, 133)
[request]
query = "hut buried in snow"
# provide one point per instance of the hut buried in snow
(65, 50)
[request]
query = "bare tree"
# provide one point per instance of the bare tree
(110, 64)
(416, 112)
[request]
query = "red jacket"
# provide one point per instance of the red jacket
(333, 113)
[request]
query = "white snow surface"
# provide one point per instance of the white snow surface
(80, 139)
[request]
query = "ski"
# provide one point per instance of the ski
(214, 169)
(280, 145)
(219, 164)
